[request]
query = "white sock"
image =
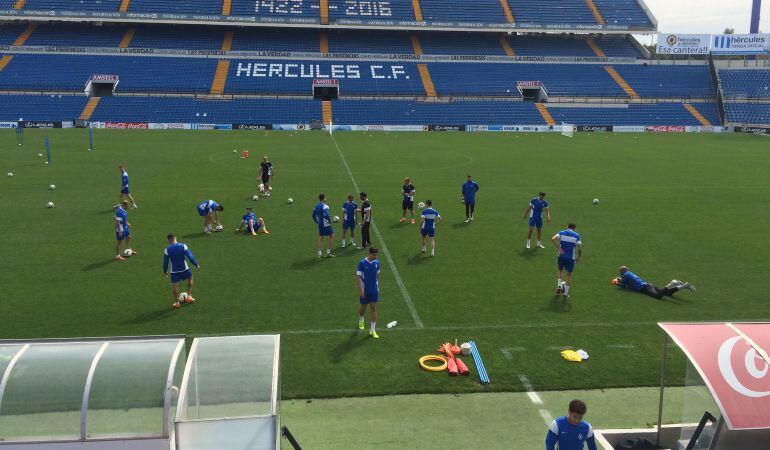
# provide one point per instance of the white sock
(539, 242)
(328, 251)
(319, 253)
(560, 282)
(433, 252)
(529, 241)
(371, 326)
(343, 242)
(566, 289)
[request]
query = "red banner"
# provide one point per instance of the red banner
(731, 358)
(666, 129)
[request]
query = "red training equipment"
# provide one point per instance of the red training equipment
(461, 367)
(451, 367)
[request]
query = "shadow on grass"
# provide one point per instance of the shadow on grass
(194, 235)
(527, 253)
(107, 211)
(152, 316)
(354, 340)
(306, 264)
(418, 258)
(462, 224)
(97, 265)
(558, 304)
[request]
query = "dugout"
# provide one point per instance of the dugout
(714, 392)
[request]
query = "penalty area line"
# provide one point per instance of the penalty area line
(378, 235)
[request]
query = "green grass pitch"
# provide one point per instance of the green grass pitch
(692, 207)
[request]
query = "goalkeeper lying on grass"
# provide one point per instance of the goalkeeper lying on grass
(629, 280)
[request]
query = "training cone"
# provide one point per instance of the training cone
(461, 367)
(245, 153)
(451, 367)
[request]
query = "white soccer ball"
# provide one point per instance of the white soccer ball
(255, 198)
(235, 151)
(421, 205)
(290, 200)
(50, 205)
(182, 297)
(596, 201)
(261, 187)
(10, 174)
(219, 228)
(270, 188)
(128, 253)
(52, 187)
(336, 219)
(40, 155)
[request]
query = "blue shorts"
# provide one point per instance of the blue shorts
(203, 212)
(369, 297)
(429, 232)
(348, 225)
(470, 202)
(176, 277)
(325, 231)
(126, 233)
(124, 190)
(536, 222)
(254, 230)
(567, 264)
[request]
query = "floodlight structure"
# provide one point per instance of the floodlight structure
(230, 396)
(720, 399)
(89, 393)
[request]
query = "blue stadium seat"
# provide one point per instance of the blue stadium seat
(276, 39)
(745, 83)
(448, 43)
(355, 41)
(631, 115)
(41, 107)
(173, 36)
(668, 81)
(748, 113)
(187, 6)
(544, 12)
(74, 34)
(356, 112)
(477, 11)
(624, 13)
(74, 5)
(137, 74)
(10, 32)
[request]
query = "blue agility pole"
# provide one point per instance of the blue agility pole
(90, 138)
(47, 150)
(483, 377)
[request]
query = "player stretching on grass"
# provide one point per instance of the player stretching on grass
(468, 197)
(631, 281)
(368, 284)
(570, 248)
(209, 210)
(265, 173)
(125, 192)
(252, 224)
(323, 219)
(535, 213)
(366, 220)
(178, 254)
(407, 190)
(349, 209)
(570, 432)
(429, 220)
(122, 229)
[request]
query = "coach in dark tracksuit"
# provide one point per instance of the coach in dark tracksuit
(629, 280)
(366, 220)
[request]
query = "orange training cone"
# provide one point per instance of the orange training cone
(451, 367)
(461, 367)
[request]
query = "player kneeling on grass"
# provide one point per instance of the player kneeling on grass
(570, 432)
(368, 284)
(209, 210)
(631, 281)
(177, 253)
(252, 224)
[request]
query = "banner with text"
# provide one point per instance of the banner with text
(740, 44)
(683, 44)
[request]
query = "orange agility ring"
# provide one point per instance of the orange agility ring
(438, 368)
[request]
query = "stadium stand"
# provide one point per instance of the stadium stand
(79, 5)
(624, 13)
(193, 38)
(745, 83)
(574, 12)
(400, 10)
(668, 81)
(73, 34)
(385, 42)
(186, 6)
(485, 11)
(40, 107)
(306, 11)
(275, 39)
(652, 114)
(448, 43)
(748, 113)
(9, 33)
(354, 112)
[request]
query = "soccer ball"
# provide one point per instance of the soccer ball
(421, 205)
(128, 252)
(290, 200)
(10, 174)
(270, 188)
(49, 205)
(40, 155)
(336, 219)
(596, 201)
(255, 198)
(52, 187)
(182, 297)
(219, 228)
(235, 151)
(261, 187)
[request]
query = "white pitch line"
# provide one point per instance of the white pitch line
(626, 346)
(378, 235)
(533, 397)
(547, 417)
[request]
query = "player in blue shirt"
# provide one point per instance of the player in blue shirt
(323, 219)
(570, 248)
(468, 196)
(631, 281)
(349, 209)
(177, 254)
(570, 432)
(534, 211)
(125, 192)
(407, 200)
(368, 284)
(429, 220)
(122, 229)
(252, 224)
(209, 210)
